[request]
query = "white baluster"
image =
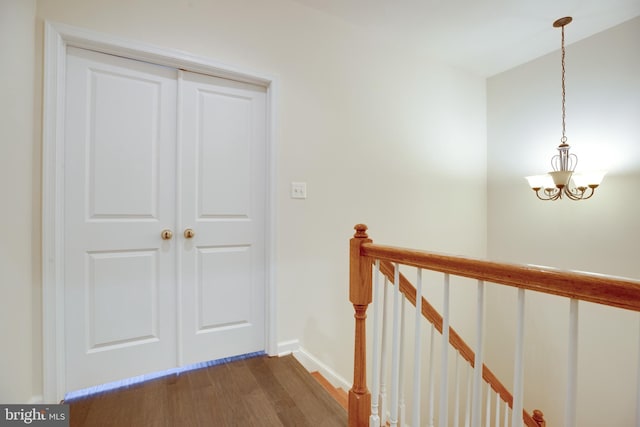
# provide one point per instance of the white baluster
(374, 418)
(401, 405)
(384, 355)
(497, 418)
(476, 404)
(487, 418)
(572, 380)
(395, 351)
(518, 370)
(417, 352)
(467, 414)
(456, 405)
(444, 371)
(431, 378)
(506, 414)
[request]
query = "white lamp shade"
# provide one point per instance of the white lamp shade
(560, 177)
(580, 180)
(590, 178)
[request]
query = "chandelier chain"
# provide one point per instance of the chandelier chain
(564, 111)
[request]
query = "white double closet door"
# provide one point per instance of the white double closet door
(147, 149)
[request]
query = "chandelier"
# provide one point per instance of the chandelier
(562, 181)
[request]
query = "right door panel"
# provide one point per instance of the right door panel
(222, 143)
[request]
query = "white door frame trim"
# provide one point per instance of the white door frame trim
(57, 38)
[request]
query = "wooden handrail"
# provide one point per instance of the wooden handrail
(600, 289)
(432, 315)
(607, 290)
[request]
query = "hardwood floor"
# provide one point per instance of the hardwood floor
(260, 391)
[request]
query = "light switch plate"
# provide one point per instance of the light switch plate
(298, 190)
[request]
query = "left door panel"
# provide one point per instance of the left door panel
(120, 178)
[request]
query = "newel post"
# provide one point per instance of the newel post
(538, 417)
(360, 296)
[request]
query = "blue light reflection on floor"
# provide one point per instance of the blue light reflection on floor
(152, 376)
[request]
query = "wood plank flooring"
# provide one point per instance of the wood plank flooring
(259, 391)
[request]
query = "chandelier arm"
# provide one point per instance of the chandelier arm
(579, 193)
(551, 194)
(538, 195)
(593, 190)
(573, 194)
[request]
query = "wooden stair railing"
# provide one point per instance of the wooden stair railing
(614, 292)
(432, 315)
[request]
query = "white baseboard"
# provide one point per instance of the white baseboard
(287, 347)
(312, 363)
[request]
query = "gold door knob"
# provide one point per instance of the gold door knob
(189, 233)
(166, 234)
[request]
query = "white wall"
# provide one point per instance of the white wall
(19, 370)
(375, 131)
(600, 235)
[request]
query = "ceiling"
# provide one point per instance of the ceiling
(483, 36)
